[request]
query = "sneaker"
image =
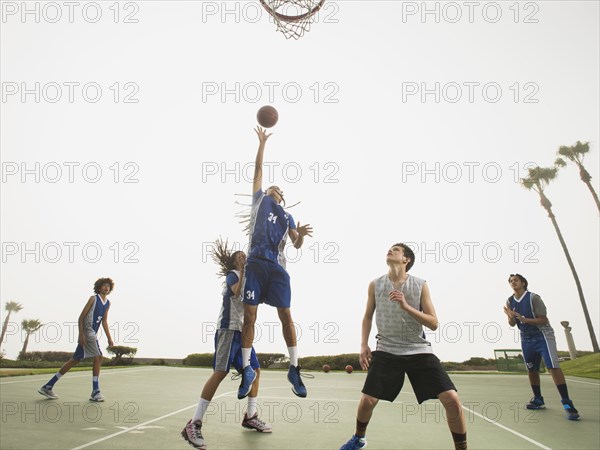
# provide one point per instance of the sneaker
(248, 377)
(48, 392)
(254, 423)
(536, 403)
(572, 413)
(298, 387)
(355, 443)
(192, 433)
(97, 397)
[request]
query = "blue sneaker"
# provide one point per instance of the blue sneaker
(536, 403)
(572, 413)
(298, 387)
(248, 377)
(355, 443)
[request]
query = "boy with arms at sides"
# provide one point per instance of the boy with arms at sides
(95, 312)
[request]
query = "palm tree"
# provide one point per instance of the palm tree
(11, 307)
(575, 154)
(30, 327)
(538, 180)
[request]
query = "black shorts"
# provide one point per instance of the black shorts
(425, 372)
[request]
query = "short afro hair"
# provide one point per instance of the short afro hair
(101, 281)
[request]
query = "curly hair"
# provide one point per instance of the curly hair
(101, 281)
(223, 257)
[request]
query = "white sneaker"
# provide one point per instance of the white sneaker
(254, 423)
(48, 392)
(192, 433)
(97, 397)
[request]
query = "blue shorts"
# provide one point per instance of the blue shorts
(536, 349)
(228, 351)
(266, 282)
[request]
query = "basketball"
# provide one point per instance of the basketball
(349, 368)
(267, 116)
(326, 368)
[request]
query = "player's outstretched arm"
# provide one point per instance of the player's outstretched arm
(297, 234)
(258, 164)
(106, 329)
(427, 314)
(367, 323)
(84, 312)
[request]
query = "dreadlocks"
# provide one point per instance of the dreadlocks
(223, 257)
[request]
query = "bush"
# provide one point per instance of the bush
(61, 357)
(336, 362)
(158, 362)
(199, 360)
(119, 351)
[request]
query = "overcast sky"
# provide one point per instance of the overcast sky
(127, 132)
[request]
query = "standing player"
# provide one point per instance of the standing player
(527, 310)
(94, 313)
(403, 306)
(267, 281)
(228, 341)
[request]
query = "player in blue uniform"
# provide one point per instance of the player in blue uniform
(267, 281)
(527, 311)
(228, 341)
(94, 313)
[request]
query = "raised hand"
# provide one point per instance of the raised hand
(304, 230)
(262, 134)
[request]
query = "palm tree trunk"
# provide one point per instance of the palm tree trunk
(25, 344)
(563, 244)
(4, 327)
(586, 178)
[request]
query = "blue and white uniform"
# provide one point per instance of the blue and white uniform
(228, 338)
(267, 281)
(91, 325)
(537, 341)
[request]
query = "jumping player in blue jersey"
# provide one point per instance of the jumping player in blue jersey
(228, 342)
(94, 313)
(267, 281)
(527, 310)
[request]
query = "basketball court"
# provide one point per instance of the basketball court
(147, 407)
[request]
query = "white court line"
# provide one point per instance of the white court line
(110, 436)
(571, 380)
(516, 433)
(77, 375)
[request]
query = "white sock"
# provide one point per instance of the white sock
(251, 407)
(201, 409)
(246, 352)
(58, 375)
(293, 355)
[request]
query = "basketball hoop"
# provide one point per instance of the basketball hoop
(292, 17)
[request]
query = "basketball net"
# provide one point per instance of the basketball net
(292, 17)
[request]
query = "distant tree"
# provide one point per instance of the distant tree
(11, 307)
(538, 180)
(575, 154)
(120, 351)
(30, 327)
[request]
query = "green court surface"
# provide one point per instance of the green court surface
(147, 407)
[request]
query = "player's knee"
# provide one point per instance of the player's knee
(450, 399)
(285, 315)
(75, 361)
(249, 316)
(368, 402)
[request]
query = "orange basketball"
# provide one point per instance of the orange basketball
(349, 368)
(267, 116)
(326, 368)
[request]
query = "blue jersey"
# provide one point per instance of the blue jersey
(93, 319)
(269, 226)
(231, 316)
(530, 305)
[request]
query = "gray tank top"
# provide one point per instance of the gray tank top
(398, 332)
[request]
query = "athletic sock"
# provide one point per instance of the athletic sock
(95, 384)
(246, 352)
(201, 409)
(54, 379)
(460, 440)
(562, 390)
(251, 407)
(293, 355)
(361, 428)
(537, 390)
